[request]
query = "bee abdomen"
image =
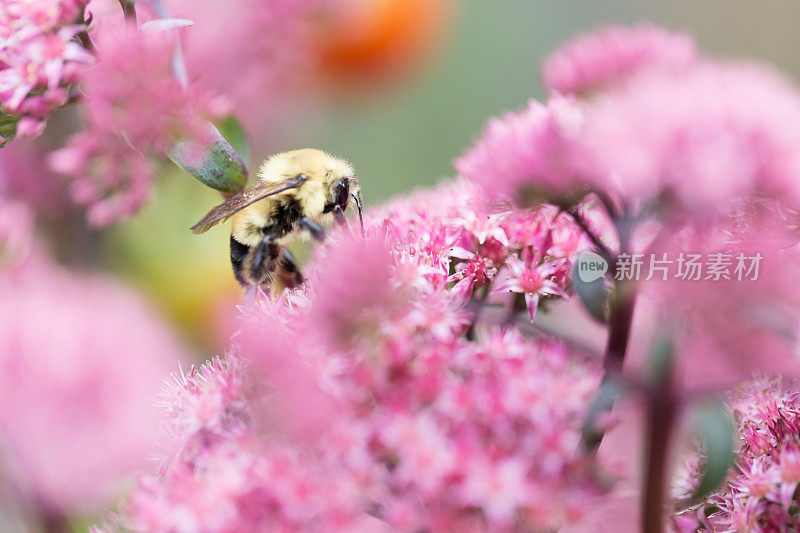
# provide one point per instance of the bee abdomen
(239, 252)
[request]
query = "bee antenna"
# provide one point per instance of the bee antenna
(357, 198)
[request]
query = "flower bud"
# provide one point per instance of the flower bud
(211, 160)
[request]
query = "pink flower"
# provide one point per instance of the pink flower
(354, 297)
(80, 362)
(500, 488)
(523, 154)
(39, 58)
(23, 179)
(241, 486)
(727, 317)
(604, 57)
(133, 91)
(697, 139)
(760, 490)
(679, 139)
(532, 279)
(135, 110)
(108, 175)
(359, 404)
(475, 272)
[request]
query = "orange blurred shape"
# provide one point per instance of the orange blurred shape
(369, 39)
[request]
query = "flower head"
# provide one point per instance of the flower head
(353, 296)
(363, 405)
(532, 279)
(523, 154)
(39, 58)
(80, 362)
(604, 57)
(23, 179)
(760, 490)
(725, 132)
(682, 134)
(135, 110)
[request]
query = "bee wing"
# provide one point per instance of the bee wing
(242, 199)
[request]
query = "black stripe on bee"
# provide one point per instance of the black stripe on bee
(286, 214)
(239, 252)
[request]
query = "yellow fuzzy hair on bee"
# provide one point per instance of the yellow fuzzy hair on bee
(297, 192)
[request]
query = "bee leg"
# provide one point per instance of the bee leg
(263, 259)
(313, 228)
(289, 272)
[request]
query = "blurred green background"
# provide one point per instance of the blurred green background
(405, 130)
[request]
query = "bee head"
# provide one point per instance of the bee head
(342, 187)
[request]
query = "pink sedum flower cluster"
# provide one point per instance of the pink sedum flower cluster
(684, 139)
(527, 152)
(760, 491)
(607, 56)
(23, 179)
(135, 110)
(726, 131)
(463, 242)
(81, 359)
(39, 58)
(138, 99)
(364, 401)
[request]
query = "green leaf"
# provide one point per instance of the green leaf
(591, 290)
(212, 161)
(232, 130)
(717, 433)
(8, 128)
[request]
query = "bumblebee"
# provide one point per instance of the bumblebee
(298, 193)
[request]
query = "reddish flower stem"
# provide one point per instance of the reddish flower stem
(599, 244)
(83, 36)
(620, 320)
(620, 316)
(54, 522)
(661, 415)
